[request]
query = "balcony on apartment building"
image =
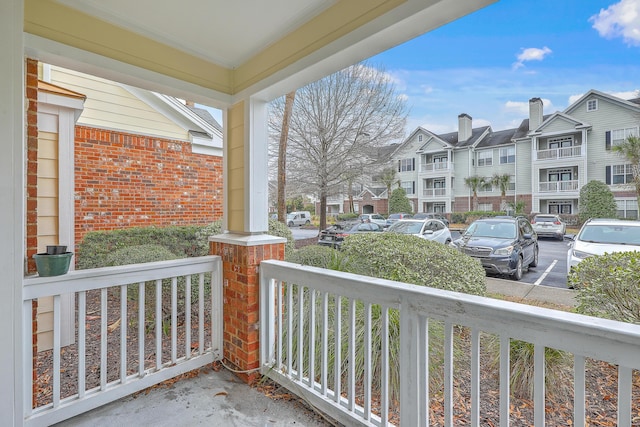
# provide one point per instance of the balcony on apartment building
(559, 153)
(435, 168)
(558, 186)
(435, 192)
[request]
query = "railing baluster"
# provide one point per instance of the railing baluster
(82, 343)
(123, 333)
(423, 359)
(367, 361)
(325, 343)
(174, 319)
(187, 317)
(384, 374)
(475, 377)
(625, 386)
(57, 329)
(579, 390)
(159, 324)
(27, 349)
(300, 346)
(312, 338)
(103, 337)
(289, 328)
(351, 393)
(448, 374)
(538, 385)
(141, 328)
(201, 343)
(337, 388)
(505, 378)
(280, 319)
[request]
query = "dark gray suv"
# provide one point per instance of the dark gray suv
(504, 245)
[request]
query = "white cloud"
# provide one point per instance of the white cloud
(621, 19)
(531, 54)
(522, 108)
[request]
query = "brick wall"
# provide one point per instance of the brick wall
(32, 163)
(127, 180)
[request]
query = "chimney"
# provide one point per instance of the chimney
(535, 113)
(464, 127)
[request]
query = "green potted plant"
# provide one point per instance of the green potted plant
(54, 262)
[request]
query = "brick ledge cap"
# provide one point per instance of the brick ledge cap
(247, 239)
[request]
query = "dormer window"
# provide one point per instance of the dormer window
(592, 105)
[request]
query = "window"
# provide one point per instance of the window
(419, 138)
(406, 165)
(508, 155)
(618, 136)
(409, 186)
(592, 105)
(439, 207)
(485, 158)
(512, 183)
(565, 141)
(619, 174)
(627, 208)
(485, 207)
(559, 207)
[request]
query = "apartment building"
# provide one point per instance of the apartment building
(548, 158)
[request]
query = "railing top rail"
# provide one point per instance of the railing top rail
(96, 278)
(607, 340)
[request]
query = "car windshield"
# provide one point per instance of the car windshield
(406, 227)
(501, 230)
(618, 234)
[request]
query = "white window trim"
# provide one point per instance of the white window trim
(593, 102)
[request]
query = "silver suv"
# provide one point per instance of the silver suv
(549, 225)
(600, 236)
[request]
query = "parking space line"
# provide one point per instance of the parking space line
(546, 272)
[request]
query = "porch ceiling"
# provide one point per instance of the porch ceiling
(234, 48)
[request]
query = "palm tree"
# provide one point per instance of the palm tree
(630, 149)
(388, 178)
(502, 182)
(474, 182)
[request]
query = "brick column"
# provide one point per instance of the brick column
(241, 257)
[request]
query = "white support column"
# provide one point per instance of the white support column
(257, 163)
(12, 210)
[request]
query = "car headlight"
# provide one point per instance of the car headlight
(506, 251)
(581, 255)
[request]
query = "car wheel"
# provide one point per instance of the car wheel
(290, 224)
(307, 223)
(534, 263)
(517, 275)
(447, 242)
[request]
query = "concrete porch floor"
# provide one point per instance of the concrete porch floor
(212, 398)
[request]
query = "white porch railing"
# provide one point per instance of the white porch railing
(436, 167)
(558, 186)
(326, 351)
(434, 192)
(114, 322)
(559, 153)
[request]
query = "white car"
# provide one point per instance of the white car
(600, 236)
(375, 218)
(549, 225)
(430, 229)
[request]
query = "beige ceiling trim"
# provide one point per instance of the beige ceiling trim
(51, 20)
(332, 24)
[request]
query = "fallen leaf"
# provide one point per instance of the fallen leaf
(221, 393)
(112, 327)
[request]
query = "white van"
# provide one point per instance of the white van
(299, 218)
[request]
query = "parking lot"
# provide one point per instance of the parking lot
(552, 263)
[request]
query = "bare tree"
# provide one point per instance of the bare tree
(337, 125)
(282, 157)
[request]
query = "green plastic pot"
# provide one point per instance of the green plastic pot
(52, 265)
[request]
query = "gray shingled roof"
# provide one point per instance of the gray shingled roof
(501, 137)
(206, 116)
(635, 100)
(452, 137)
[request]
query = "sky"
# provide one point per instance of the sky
(490, 63)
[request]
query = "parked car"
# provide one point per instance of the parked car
(430, 229)
(600, 236)
(376, 218)
(334, 235)
(504, 245)
(424, 215)
(395, 217)
(549, 225)
(299, 218)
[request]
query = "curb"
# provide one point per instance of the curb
(528, 291)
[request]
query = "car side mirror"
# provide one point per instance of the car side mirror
(569, 237)
(527, 236)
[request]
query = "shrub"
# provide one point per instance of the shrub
(399, 202)
(414, 260)
(97, 245)
(346, 216)
(608, 286)
(596, 201)
(139, 254)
